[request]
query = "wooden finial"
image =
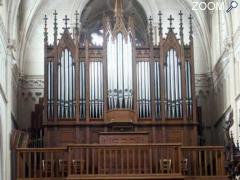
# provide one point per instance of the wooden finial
(160, 24)
(55, 21)
(191, 28)
(170, 22)
(76, 22)
(55, 28)
(131, 24)
(119, 20)
(181, 26)
(45, 21)
(45, 27)
(150, 29)
(119, 8)
(66, 19)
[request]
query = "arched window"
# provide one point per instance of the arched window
(173, 85)
(66, 86)
(119, 59)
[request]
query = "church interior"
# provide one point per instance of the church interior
(119, 89)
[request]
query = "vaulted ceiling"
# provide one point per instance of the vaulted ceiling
(91, 16)
(26, 25)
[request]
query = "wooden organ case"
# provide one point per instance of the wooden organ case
(120, 91)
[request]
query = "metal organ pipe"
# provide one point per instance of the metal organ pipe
(64, 82)
(66, 86)
(73, 91)
(96, 89)
(50, 88)
(143, 90)
(180, 90)
(188, 89)
(127, 65)
(101, 90)
(144, 75)
(82, 93)
(120, 69)
(173, 85)
(61, 77)
(157, 90)
(91, 89)
(177, 87)
(119, 55)
(169, 85)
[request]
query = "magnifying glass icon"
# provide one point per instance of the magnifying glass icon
(233, 4)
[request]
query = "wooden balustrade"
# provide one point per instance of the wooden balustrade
(203, 161)
(40, 163)
(108, 160)
(125, 159)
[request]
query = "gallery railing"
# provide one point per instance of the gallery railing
(111, 160)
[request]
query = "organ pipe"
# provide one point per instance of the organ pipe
(82, 93)
(96, 89)
(119, 55)
(157, 90)
(188, 89)
(143, 83)
(50, 89)
(66, 86)
(173, 85)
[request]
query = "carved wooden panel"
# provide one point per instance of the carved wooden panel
(123, 137)
(62, 136)
(174, 136)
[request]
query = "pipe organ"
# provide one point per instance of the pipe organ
(118, 86)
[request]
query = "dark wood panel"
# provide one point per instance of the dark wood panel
(123, 138)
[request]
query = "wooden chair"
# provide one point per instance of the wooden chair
(78, 166)
(48, 168)
(165, 165)
(185, 167)
(62, 167)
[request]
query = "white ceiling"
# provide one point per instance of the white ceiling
(32, 12)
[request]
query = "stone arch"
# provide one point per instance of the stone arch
(150, 7)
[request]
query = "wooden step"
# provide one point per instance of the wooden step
(207, 178)
(123, 177)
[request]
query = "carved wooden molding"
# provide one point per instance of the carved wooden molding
(119, 24)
